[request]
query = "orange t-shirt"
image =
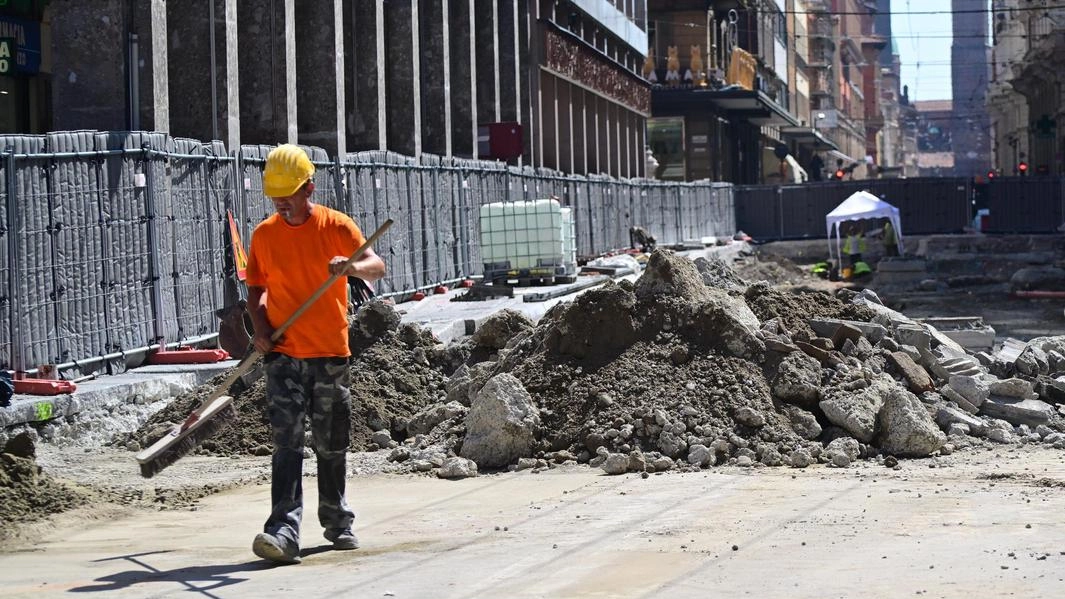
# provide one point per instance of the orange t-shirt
(291, 263)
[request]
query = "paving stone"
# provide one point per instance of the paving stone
(917, 378)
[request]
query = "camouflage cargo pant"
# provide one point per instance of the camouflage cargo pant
(317, 388)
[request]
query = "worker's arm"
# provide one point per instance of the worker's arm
(369, 267)
(257, 311)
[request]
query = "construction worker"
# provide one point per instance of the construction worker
(854, 246)
(891, 241)
(292, 253)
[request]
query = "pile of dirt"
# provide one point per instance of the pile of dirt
(27, 494)
(777, 270)
(688, 367)
(794, 307)
(396, 371)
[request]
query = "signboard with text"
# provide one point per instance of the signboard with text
(20, 46)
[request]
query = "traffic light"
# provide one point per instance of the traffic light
(990, 175)
(1022, 169)
(839, 174)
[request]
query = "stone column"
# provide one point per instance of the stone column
(402, 87)
(435, 69)
(320, 75)
(266, 34)
(487, 51)
(149, 23)
(89, 47)
(202, 47)
(463, 71)
(507, 34)
(364, 55)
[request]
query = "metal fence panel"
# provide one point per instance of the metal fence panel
(22, 178)
(1025, 205)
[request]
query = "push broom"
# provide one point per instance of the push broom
(217, 409)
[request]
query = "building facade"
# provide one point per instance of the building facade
(970, 76)
(1026, 102)
(345, 75)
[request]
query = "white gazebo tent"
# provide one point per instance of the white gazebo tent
(858, 206)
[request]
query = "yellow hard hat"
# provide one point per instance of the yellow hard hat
(287, 168)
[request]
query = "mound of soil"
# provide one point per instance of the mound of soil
(27, 494)
(396, 371)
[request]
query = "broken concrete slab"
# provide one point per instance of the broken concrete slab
(947, 416)
(1032, 412)
(1011, 349)
(826, 327)
(915, 335)
(973, 388)
(1012, 387)
(959, 399)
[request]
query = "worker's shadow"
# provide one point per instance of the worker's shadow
(199, 579)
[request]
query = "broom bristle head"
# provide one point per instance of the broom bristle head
(186, 442)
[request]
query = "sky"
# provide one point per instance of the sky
(924, 47)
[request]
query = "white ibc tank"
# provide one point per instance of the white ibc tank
(527, 235)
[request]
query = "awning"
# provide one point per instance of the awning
(752, 106)
(847, 160)
(805, 136)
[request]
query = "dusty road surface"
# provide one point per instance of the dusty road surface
(984, 522)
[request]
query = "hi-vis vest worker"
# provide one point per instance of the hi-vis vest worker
(855, 244)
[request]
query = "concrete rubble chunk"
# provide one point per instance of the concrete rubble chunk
(841, 452)
(946, 417)
(427, 419)
(1032, 361)
(701, 456)
(971, 388)
(616, 463)
(917, 379)
(957, 429)
(906, 428)
(856, 411)
(915, 335)
(845, 332)
(822, 356)
(800, 458)
(501, 423)
(1012, 387)
(959, 399)
(798, 380)
(776, 345)
(803, 422)
(826, 327)
(455, 468)
(1032, 412)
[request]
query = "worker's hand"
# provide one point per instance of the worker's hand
(336, 267)
(262, 342)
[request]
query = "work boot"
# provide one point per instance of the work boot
(342, 538)
(275, 549)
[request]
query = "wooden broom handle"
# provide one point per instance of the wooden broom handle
(329, 282)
